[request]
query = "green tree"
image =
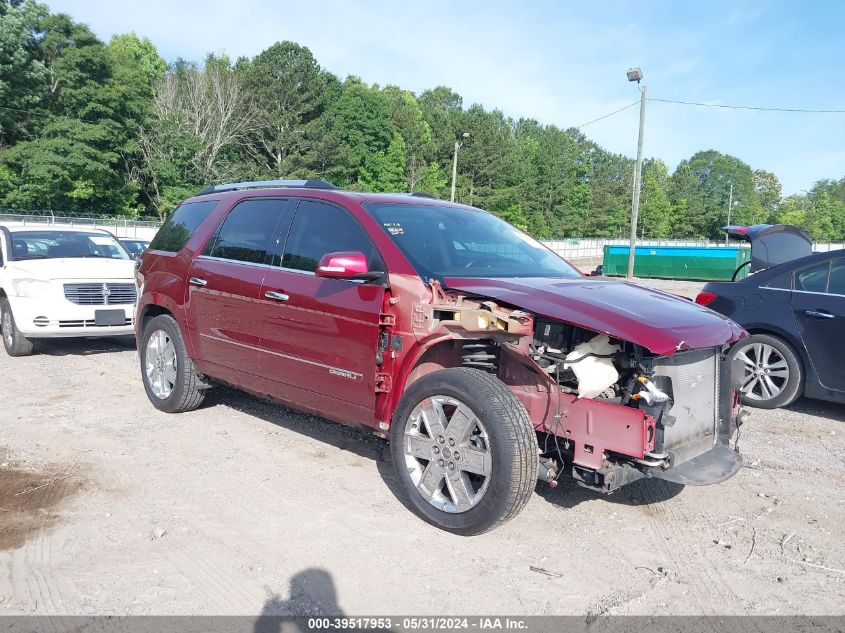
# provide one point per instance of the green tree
(385, 171)
(655, 219)
(290, 91)
(702, 186)
(769, 191)
(408, 120)
(358, 127)
(23, 76)
(74, 164)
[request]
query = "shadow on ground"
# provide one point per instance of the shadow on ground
(312, 593)
(830, 410)
(364, 444)
(569, 494)
(83, 346)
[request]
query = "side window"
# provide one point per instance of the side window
(248, 231)
(181, 225)
(836, 284)
(321, 228)
(784, 282)
(813, 279)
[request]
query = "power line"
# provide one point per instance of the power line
(630, 105)
(737, 107)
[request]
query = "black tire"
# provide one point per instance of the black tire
(188, 391)
(790, 387)
(16, 344)
(512, 446)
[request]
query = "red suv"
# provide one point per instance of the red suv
(487, 360)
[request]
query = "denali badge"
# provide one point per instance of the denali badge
(343, 373)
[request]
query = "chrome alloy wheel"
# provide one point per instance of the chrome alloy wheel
(7, 328)
(447, 452)
(160, 364)
(766, 372)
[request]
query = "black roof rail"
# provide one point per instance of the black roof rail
(261, 184)
(423, 194)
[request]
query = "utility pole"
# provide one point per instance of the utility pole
(458, 144)
(730, 208)
(636, 74)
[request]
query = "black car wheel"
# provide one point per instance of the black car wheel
(170, 378)
(773, 374)
(16, 344)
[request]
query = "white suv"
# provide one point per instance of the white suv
(57, 282)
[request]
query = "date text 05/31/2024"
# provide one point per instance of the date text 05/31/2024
(418, 623)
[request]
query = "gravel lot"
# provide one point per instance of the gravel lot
(242, 507)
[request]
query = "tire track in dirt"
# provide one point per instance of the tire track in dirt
(209, 577)
(685, 558)
(44, 590)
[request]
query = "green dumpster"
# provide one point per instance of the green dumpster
(704, 263)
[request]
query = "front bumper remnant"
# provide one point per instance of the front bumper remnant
(713, 467)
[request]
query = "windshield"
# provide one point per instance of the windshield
(445, 241)
(55, 244)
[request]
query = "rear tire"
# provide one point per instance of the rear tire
(464, 451)
(169, 375)
(774, 376)
(16, 344)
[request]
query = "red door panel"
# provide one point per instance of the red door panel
(322, 339)
(221, 309)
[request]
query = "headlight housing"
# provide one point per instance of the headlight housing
(32, 288)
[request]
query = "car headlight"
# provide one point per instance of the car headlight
(32, 288)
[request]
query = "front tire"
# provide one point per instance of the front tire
(773, 375)
(16, 344)
(464, 451)
(170, 378)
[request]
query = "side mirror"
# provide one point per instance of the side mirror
(350, 265)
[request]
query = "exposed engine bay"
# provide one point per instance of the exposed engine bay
(593, 365)
(607, 411)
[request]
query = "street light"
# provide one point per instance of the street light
(636, 74)
(458, 144)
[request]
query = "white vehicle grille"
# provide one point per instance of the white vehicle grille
(100, 294)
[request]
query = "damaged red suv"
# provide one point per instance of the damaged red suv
(488, 361)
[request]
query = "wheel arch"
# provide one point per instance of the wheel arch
(796, 345)
(156, 304)
(442, 352)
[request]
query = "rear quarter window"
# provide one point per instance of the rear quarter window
(782, 282)
(812, 279)
(181, 225)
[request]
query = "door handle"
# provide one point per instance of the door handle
(816, 314)
(278, 296)
(198, 281)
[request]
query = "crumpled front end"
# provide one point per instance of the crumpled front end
(608, 410)
(670, 416)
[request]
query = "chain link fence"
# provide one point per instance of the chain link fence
(121, 226)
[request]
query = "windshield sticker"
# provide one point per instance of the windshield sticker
(101, 240)
(394, 228)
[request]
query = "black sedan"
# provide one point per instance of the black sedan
(795, 313)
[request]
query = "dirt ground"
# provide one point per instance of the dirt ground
(242, 507)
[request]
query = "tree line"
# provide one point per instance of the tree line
(113, 129)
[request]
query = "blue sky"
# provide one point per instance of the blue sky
(560, 62)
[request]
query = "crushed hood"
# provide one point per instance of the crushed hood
(659, 321)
